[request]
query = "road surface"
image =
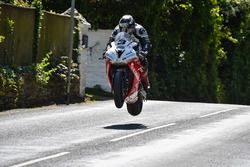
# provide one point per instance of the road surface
(174, 134)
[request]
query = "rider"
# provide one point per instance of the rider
(127, 24)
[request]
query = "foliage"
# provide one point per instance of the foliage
(62, 69)
(37, 28)
(7, 40)
(187, 54)
(41, 76)
(21, 3)
(76, 41)
(96, 93)
(200, 48)
(40, 81)
(37, 4)
(10, 24)
(24, 3)
(103, 14)
(234, 71)
(43, 72)
(10, 83)
(1, 38)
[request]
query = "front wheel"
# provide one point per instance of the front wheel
(118, 86)
(135, 108)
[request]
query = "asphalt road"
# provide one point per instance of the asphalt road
(165, 134)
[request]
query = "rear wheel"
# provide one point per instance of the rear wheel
(135, 108)
(118, 86)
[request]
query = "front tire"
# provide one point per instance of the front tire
(135, 109)
(118, 86)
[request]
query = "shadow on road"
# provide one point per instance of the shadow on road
(126, 127)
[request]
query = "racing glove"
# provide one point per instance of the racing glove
(143, 55)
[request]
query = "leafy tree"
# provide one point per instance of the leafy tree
(200, 48)
(186, 38)
(197, 52)
(235, 69)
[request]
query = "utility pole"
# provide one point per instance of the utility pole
(70, 48)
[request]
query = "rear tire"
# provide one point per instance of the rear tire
(118, 86)
(135, 108)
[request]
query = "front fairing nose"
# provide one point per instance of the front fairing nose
(119, 52)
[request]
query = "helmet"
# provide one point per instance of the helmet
(126, 22)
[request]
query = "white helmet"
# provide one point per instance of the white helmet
(127, 21)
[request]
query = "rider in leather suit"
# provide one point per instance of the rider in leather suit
(127, 24)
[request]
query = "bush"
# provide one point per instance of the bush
(43, 71)
(186, 49)
(38, 84)
(11, 83)
(234, 71)
(1, 38)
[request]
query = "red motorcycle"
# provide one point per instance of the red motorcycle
(124, 73)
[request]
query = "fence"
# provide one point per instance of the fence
(17, 26)
(55, 34)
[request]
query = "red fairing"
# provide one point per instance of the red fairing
(135, 67)
(108, 67)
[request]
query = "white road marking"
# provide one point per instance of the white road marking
(181, 143)
(141, 132)
(218, 112)
(41, 159)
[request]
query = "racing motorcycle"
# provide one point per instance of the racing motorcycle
(124, 73)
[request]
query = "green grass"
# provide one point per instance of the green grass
(97, 94)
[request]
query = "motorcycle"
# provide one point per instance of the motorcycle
(124, 72)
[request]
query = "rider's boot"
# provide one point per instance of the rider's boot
(145, 81)
(145, 85)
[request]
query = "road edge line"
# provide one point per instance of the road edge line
(218, 112)
(40, 159)
(141, 132)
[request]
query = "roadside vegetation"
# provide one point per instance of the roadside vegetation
(200, 49)
(97, 94)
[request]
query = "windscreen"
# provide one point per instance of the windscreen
(121, 39)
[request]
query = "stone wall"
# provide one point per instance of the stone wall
(32, 94)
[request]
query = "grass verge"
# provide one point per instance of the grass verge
(97, 94)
